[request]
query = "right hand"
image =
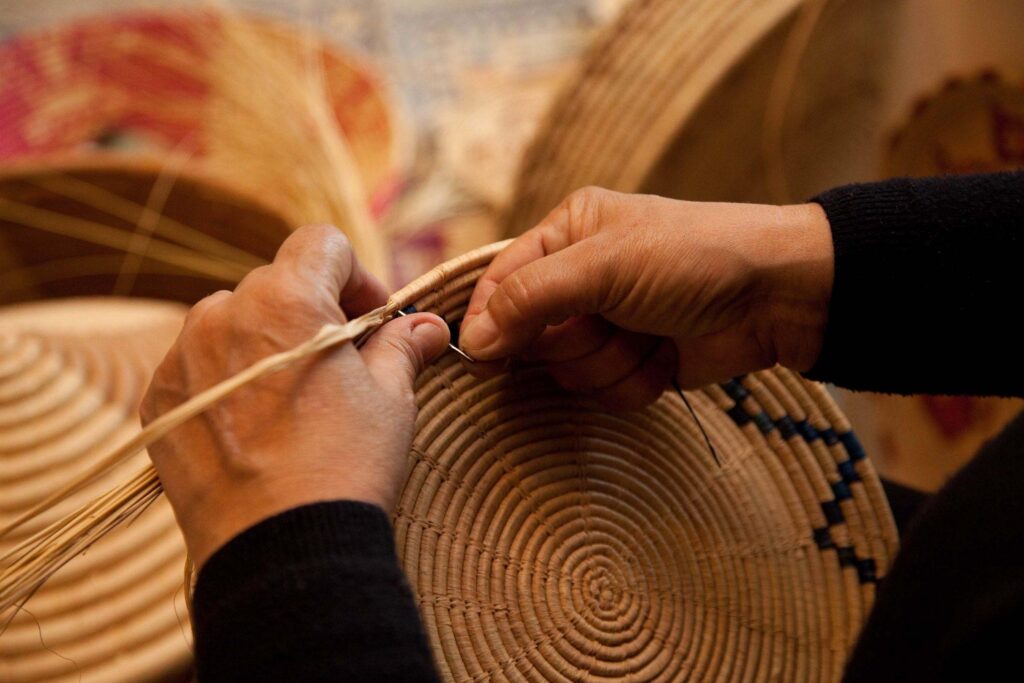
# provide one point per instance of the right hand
(620, 293)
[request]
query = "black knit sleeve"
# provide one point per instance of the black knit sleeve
(928, 277)
(313, 594)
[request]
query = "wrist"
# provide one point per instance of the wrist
(229, 510)
(796, 274)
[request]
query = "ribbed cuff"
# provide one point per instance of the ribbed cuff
(873, 239)
(926, 277)
(318, 532)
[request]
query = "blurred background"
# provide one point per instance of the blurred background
(153, 152)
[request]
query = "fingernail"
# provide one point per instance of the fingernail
(479, 335)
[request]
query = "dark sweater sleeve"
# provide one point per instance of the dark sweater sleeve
(313, 594)
(928, 274)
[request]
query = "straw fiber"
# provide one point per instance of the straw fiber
(267, 109)
(71, 376)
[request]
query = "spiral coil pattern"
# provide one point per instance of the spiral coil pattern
(548, 540)
(71, 375)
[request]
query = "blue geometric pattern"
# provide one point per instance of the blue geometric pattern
(789, 429)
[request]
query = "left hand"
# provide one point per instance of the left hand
(335, 426)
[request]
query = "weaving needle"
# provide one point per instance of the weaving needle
(451, 346)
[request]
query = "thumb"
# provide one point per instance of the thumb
(397, 353)
(544, 292)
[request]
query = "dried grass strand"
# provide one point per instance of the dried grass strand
(285, 117)
(116, 238)
(147, 223)
(24, 279)
(99, 198)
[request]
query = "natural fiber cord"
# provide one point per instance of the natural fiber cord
(547, 540)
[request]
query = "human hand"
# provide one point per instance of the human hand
(620, 293)
(334, 426)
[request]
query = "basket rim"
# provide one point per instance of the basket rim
(600, 102)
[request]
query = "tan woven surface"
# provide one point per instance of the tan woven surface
(635, 89)
(547, 540)
(71, 375)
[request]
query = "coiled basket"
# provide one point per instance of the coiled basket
(548, 540)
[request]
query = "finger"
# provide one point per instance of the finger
(544, 292)
(618, 358)
(550, 236)
(577, 337)
(486, 369)
(646, 384)
(321, 257)
(578, 216)
(398, 351)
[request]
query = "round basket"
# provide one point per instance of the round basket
(548, 540)
(268, 109)
(777, 100)
(71, 375)
(210, 234)
(145, 81)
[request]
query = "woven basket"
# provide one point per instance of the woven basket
(548, 540)
(268, 109)
(136, 81)
(637, 86)
(71, 375)
(674, 99)
(109, 191)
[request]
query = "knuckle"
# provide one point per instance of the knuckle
(205, 304)
(583, 211)
(510, 300)
(326, 238)
(278, 296)
(256, 282)
(289, 299)
(204, 327)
